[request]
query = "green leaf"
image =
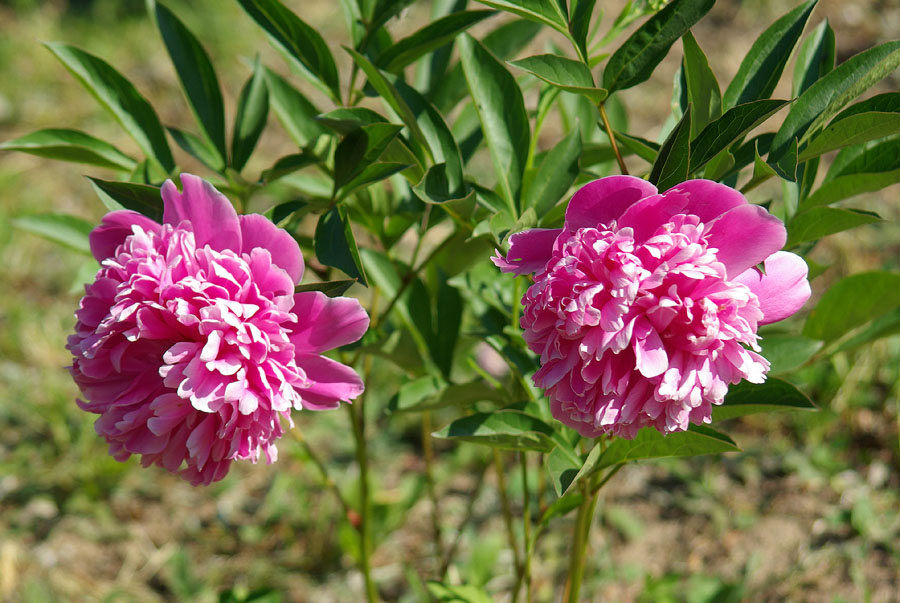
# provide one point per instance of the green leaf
(833, 92)
(887, 102)
(66, 230)
(815, 59)
(851, 302)
(762, 66)
(580, 24)
(431, 37)
(636, 59)
(329, 288)
(384, 10)
(501, 111)
(555, 175)
(288, 165)
(361, 148)
(875, 156)
(762, 171)
(431, 393)
(71, 145)
(447, 321)
(294, 111)
(346, 119)
(571, 76)
(371, 174)
(142, 198)
(719, 166)
(507, 429)
(563, 468)
(814, 223)
(252, 111)
(465, 593)
(855, 129)
(643, 148)
(843, 187)
(120, 98)
(788, 352)
(336, 246)
(435, 187)
(672, 165)
(702, 88)
(751, 398)
(786, 165)
(197, 76)
(736, 123)
(561, 506)
(883, 326)
(552, 13)
(649, 443)
(302, 44)
(198, 148)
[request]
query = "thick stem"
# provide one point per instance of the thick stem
(612, 138)
(428, 451)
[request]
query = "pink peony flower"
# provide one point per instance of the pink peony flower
(191, 344)
(645, 306)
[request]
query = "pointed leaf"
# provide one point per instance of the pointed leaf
(336, 246)
(329, 288)
(506, 429)
(736, 123)
(252, 111)
(851, 302)
(66, 230)
(546, 12)
(197, 76)
(431, 37)
(855, 129)
(815, 58)
(198, 148)
(643, 148)
(361, 148)
(636, 59)
(431, 393)
(650, 443)
(814, 223)
(71, 145)
(672, 165)
(555, 175)
(564, 73)
(702, 88)
(876, 156)
(787, 352)
(580, 24)
(141, 198)
(751, 398)
(302, 44)
(288, 165)
(762, 66)
(347, 119)
(501, 111)
(293, 109)
(120, 98)
(843, 187)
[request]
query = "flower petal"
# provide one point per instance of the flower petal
(605, 200)
(707, 199)
(333, 382)
(258, 231)
(114, 229)
(326, 322)
(212, 217)
(783, 289)
(529, 251)
(745, 236)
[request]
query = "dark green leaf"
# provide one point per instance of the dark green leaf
(815, 59)
(120, 98)
(649, 443)
(288, 165)
(751, 398)
(636, 59)
(843, 187)
(643, 148)
(336, 246)
(293, 110)
(851, 302)
(361, 148)
(252, 111)
(141, 198)
(563, 468)
(786, 165)
(580, 24)
(762, 66)
(552, 13)
(731, 127)
(507, 429)
(762, 171)
(833, 92)
(384, 10)
(814, 223)
(872, 157)
(302, 44)
(329, 288)
(66, 230)
(672, 165)
(448, 318)
(198, 148)
(854, 129)
(501, 111)
(71, 145)
(346, 119)
(788, 352)
(430, 393)
(555, 175)
(429, 38)
(564, 73)
(197, 76)
(887, 102)
(702, 88)
(371, 174)
(435, 187)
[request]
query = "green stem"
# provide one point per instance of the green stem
(580, 540)
(612, 138)
(470, 513)
(526, 526)
(428, 453)
(323, 471)
(508, 519)
(358, 420)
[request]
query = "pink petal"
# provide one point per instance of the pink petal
(212, 217)
(333, 382)
(325, 322)
(529, 251)
(114, 229)
(605, 200)
(783, 289)
(707, 199)
(745, 236)
(257, 231)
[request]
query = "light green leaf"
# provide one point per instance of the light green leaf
(788, 352)
(120, 98)
(852, 302)
(288, 165)
(431, 393)
(854, 129)
(555, 175)
(571, 76)
(198, 148)
(66, 230)
(814, 223)
(702, 88)
(507, 429)
(293, 109)
(431, 37)
(552, 13)
(770, 396)
(762, 66)
(843, 187)
(871, 157)
(643, 148)
(815, 59)
(650, 443)
(252, 111)
(71, 145)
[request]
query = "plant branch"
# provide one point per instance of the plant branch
(612, 138)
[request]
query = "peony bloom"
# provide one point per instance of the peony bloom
(645, 306)
(191, 344)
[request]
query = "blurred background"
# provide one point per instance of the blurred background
(810, 511)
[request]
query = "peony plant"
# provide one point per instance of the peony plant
(643, 324)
